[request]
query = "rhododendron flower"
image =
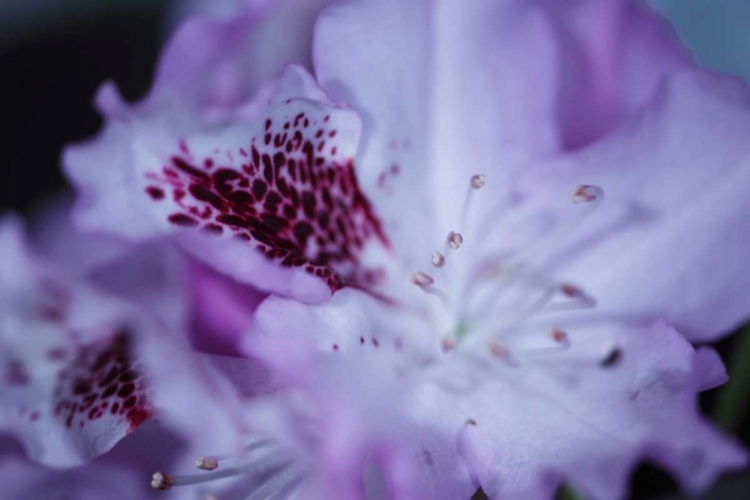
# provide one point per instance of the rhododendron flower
(106, 386)
(82, 367)
(429, 211)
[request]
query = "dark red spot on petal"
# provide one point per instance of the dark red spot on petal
(182, 220)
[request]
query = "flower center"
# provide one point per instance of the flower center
(492, 298)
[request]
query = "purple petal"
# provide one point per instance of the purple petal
(531, 437)
(82, 369)
(669, 241)
(268, 195)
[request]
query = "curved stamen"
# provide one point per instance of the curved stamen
(455, 240)
(438, 259)
(421, 279)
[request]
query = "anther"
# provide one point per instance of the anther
(477, 181)
(448, 343)
(421, 279)
(455, 240)
(585, 193)
(161, 481)
(206, 463)
(559, 336)
(438, 259)
(574, 292)
(471, 421)
(502, 353)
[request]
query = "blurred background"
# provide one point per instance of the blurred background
(54, 54)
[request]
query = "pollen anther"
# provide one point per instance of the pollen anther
(558, 335)
(161, 481)
(477, 181)
(438, 259)
(448, 343)
(585, 193)
(499, 351)
(455, 240)
(206, 463)
(421, 279)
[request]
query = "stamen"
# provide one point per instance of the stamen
(206, 463)
(559, 336)
(448, 343)
(582, 299)
(421, 279)
(477, 181)
(438, 259)
(455, 240)
(161, 481)
(502, 353)
(585, 193)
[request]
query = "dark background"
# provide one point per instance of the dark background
(51, 65)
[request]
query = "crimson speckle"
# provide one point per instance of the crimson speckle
(155, 192)
(182, 220)
(94, 380)
(287, 196)
(188, 168)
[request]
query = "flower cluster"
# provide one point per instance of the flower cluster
(452, 245)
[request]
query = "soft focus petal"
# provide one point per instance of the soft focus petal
(82, 369)
(153, 275)
(670, 240)
(439, 105)
(62, 344)
(221, 310)
(120, 474)
(222, 61)
(616, 53)
(358, 371)
(185, 295)
(219, 187)
(592, 429)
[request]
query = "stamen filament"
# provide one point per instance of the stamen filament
(161, 481)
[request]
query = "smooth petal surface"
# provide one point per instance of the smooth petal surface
(590, 425)
(152, 275)
(359, 370)
(221, 189)
(438, 106)
(616, 54)
(670, 240)
(223, 57)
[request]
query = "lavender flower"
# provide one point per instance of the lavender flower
(453, 302)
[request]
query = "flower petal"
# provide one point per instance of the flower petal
(82, 369)
(268, 194)
(222, 60)
(71, 388)
(356, 369)
(669, 241)
(530, 438)
(438, 105)
(616, 54)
